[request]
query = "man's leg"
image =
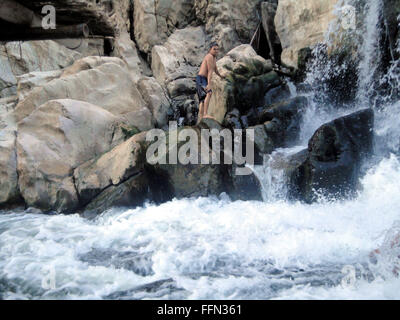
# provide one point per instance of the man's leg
(201, 111)
(206, 102)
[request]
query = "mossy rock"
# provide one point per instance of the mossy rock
(129, 131)
(247, 84)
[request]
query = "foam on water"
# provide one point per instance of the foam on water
(215, 248)
(204, 248)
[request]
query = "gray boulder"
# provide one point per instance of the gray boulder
(102, 81)
(9, 192)
(155, 21)
(52, 141)
(110, 169)
(18, 58)
(333, 161)
(179, 180)
(282, 120)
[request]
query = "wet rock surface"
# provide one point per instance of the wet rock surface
(334, 158)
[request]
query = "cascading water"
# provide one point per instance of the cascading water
(370, 52)
(214, 248)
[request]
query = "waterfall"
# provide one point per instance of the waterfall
(322, 109)
(370, 53)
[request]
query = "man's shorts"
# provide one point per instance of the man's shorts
(201, 84)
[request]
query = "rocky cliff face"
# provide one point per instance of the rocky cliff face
(301, 24)
(70, 109)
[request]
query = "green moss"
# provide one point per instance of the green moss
(129, 131)
(247, 84)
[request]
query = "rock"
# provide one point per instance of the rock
(86, 47)
(230, 25)
(268, 12)
(252, 117)
(181, 86)
(155, 21)
(304, 57)
(184, 180)
(232, 120)
(176, 63)
(9, 192)
(88, 63)
(245, 187)
(32, 210)
(125, 49)
(29, 81)
(18, 58)
(104, 17)
(282, 120)
(300, 24)
(190, 112)
(156, 99)
(168, 180)
(131, 193)
(244, 121)
(227, 38)
(263, 143)
(110, 169)
(290, 166)
(52, 141)
(209, 124)
(248, 77)
(7, 105)
(276, 95)
(107, 84)
(335, 154)
(391, 11)
(120, 14)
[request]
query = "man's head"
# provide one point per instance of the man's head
(214, 49)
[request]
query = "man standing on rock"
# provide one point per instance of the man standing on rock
(203, 80)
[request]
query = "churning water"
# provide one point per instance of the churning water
(215, 248)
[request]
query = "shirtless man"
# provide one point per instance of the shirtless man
(203, 80)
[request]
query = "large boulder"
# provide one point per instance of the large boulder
(244, 187)
(194, 178)
(168, 180)
(155, 21)
(110, 169)
(18, 58)
(176, 63)
(276, 126)
(130, 193)
(52, 141)
(119, 14)
(89, 63)
(391, 11)
(156, 99)
(268, 12)
(125, 49)
(86, 47)
(101, 81)
(104, 17)
(301, 24)
(332, 164)
(28, 81)
(9, 192)
(229, 23)
(282, 120)
(249, 76)
(262, 139)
